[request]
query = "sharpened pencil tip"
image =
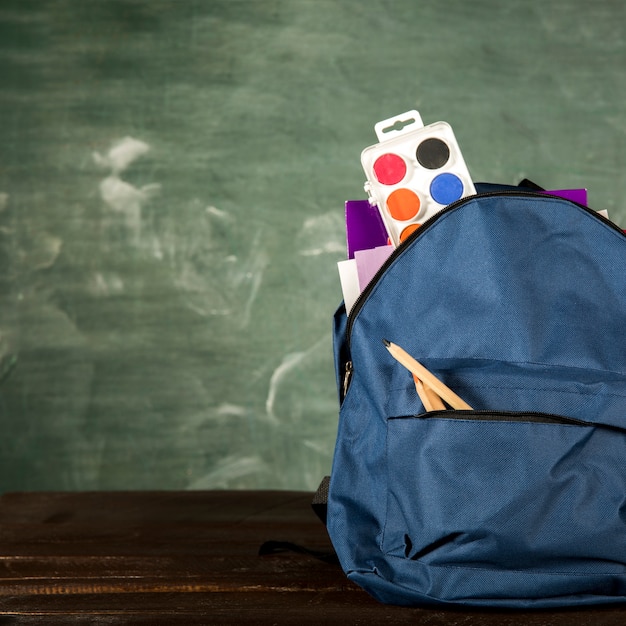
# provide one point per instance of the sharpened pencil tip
(386, 342)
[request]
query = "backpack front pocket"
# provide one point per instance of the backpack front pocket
(506, 491)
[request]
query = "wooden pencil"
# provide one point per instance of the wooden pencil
(429, 398)
(426, 376)
(421, 392)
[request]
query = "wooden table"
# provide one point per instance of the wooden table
(192, 558)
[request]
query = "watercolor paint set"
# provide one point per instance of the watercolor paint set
(413, 172)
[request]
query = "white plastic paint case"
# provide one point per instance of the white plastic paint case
(413, 172)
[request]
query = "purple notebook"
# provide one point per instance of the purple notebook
(577, 195)
(364, 227)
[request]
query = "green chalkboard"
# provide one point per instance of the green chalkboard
(172, 180)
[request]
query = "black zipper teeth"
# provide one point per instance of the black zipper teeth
(508, 416)
(428, 223)
(518, 417)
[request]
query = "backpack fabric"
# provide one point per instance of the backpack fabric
(517, 301)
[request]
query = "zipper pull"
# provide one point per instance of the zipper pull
(347, 374)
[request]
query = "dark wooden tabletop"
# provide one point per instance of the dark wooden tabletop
(193, 558)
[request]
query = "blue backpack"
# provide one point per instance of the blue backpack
(516, 301)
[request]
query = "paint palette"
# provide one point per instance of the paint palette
(414, 172)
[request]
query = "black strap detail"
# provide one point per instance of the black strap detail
(320, 499)
(530, 185)
(319, 505)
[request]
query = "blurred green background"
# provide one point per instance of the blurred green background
(172, 180)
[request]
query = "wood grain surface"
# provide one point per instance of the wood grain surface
(192, 557)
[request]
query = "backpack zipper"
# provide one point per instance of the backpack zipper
(508, 416)
(428, 223)
(514, 417)
(347, 374)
